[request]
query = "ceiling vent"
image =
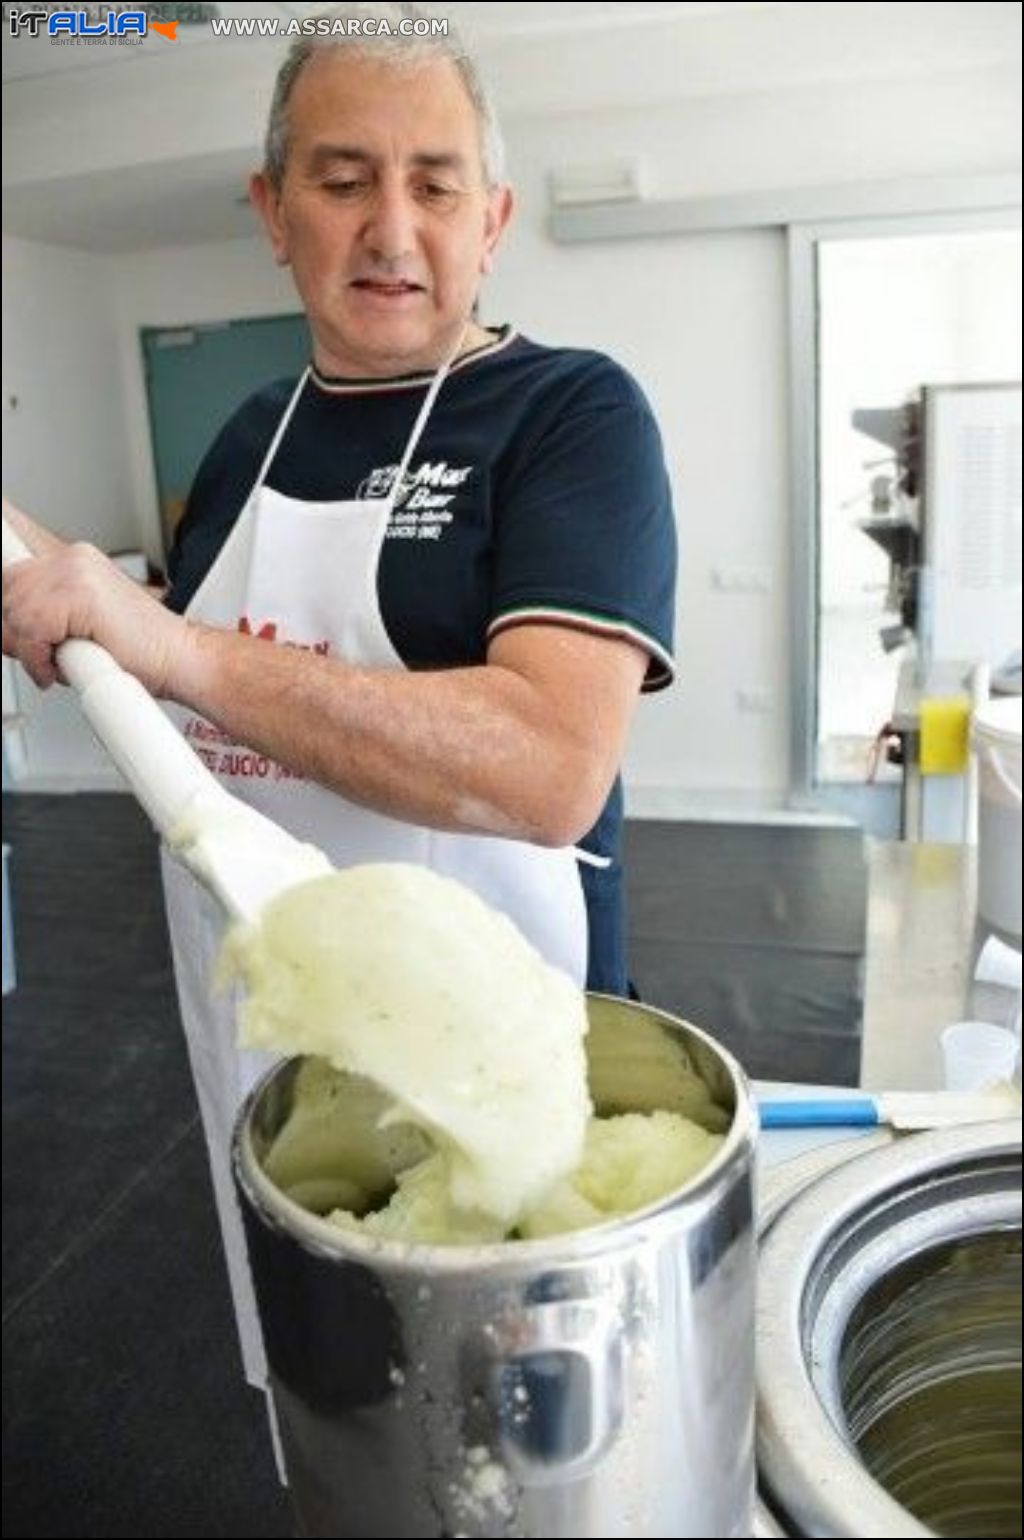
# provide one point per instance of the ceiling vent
(614, 182)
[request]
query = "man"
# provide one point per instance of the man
(461, 542)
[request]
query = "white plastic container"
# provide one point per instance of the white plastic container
(996, 738)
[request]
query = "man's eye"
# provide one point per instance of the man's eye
(348, 188)
(437, 192)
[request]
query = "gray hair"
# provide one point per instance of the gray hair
(417, 42)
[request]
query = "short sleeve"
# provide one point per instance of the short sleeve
(584, 528)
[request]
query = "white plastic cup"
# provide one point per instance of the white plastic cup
(977, 1054)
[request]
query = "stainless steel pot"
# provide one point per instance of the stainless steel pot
(889, 1342)
(597, 1383)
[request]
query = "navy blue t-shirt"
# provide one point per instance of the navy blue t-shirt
(537, 493)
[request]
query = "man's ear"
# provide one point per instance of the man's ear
(499, 212)
(266, 200)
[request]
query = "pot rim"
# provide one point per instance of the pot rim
(502, 1257)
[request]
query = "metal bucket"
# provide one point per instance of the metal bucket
(889, 1342)
(595, 1383)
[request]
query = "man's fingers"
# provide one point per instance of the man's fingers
(33, 605)
(38, 661)
(35, 656)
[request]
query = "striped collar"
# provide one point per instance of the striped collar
(341, 387)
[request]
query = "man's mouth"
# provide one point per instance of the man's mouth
(387, 287)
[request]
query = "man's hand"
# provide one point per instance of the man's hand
(40, 541)
(75, 591)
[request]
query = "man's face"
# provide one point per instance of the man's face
(383, 212)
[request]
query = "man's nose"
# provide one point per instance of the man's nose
(390, 231)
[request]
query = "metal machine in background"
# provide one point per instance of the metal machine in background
(946, 510)
(894, 521)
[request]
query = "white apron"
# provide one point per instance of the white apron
(306, 574)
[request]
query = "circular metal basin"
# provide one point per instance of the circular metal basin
(889, 1342)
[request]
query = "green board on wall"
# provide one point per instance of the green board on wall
(196, 377)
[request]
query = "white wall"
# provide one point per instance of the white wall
(65, 454)
(700, 319)
(701, 323)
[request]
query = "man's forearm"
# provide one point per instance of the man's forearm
(466, 749)
(524, 746)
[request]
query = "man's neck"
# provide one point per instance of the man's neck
(473, 337)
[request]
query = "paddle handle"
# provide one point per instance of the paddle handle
(160, 768)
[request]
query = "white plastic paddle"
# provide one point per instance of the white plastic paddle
(243, 858)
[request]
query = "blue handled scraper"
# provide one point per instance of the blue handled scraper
(897, 1109)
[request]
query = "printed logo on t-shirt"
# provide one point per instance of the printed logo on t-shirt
(422, 508)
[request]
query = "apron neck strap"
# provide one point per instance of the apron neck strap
(424, 412)
(281, 428)
(414, 437)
